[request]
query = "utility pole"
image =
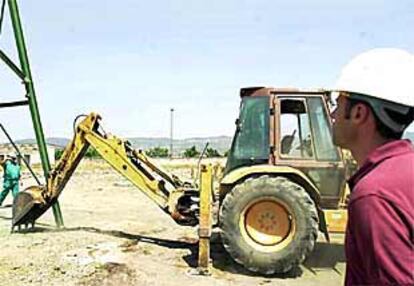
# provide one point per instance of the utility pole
(171, 131)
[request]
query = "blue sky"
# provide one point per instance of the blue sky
(131, 61)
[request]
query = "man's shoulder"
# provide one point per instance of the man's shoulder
(400, 162)
(392, 179)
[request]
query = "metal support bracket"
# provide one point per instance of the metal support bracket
(14, 103)
(12, 65)
(205, 224)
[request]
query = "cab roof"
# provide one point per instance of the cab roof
(266, 91)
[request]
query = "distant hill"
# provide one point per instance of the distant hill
(220, 143)
(56, 141)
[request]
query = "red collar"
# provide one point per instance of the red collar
(378, 155)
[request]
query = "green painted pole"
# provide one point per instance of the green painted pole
(30, 94)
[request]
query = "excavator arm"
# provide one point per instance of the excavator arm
(178, 199)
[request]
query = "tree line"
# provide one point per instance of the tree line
(156, 152)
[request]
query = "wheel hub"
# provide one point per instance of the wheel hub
(267, 222)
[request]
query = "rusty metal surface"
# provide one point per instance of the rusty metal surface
(204, 232)
(272, 128)
(266, 91)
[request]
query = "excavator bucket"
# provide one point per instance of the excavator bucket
(29, 205)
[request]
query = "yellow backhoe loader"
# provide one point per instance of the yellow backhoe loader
(283, 182)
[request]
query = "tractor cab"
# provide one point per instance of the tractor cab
(289, 128)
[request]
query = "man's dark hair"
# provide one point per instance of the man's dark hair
(382, 129)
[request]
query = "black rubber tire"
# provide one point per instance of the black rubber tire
(293, 196)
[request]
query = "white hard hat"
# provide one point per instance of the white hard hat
(385, 73)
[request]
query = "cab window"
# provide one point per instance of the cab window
(295, 133)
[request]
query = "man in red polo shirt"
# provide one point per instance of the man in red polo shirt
(375, 106)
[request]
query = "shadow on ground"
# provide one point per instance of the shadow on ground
(325, 255)
(223, 261)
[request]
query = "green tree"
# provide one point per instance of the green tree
(157, 152)
(92, 153)
(191, 152)
(212, 153)
(58, 154)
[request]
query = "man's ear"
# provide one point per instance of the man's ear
(360, 113)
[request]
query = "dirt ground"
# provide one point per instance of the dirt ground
(114, 235)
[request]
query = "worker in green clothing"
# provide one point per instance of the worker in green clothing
(11, 177)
